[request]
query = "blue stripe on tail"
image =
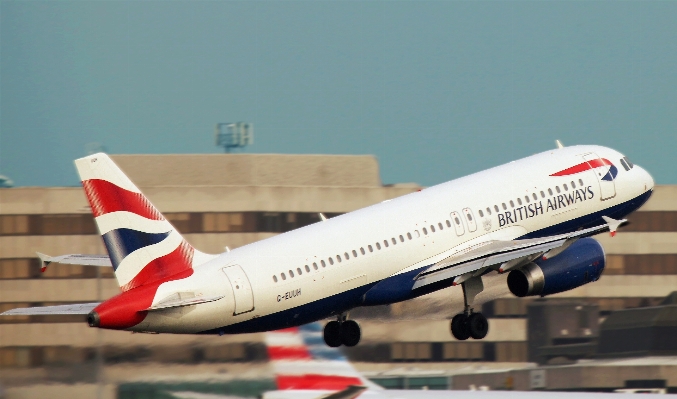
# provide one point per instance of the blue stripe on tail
(122, 242)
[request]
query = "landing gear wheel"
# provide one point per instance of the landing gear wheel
(477, 326)
(332, 334)
(459, 327)
(350, 333)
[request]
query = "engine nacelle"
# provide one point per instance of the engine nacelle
(579, 264)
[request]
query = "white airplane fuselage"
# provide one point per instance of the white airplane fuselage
(329, 267)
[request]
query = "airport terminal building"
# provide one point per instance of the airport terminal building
(229, 200)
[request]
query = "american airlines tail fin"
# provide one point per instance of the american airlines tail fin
(143, 246)
(302, 361)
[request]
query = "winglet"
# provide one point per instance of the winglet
(613, 224)
(45, 260)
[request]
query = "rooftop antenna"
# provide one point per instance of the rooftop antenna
(231, 136)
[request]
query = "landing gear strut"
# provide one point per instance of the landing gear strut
(470, 324)
(342, 332)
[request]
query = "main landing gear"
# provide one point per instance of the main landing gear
(342, 332)
(470, 324)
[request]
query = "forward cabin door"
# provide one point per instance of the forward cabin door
(604, 175)
(242, 289)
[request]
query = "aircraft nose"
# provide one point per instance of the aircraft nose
(646, 179)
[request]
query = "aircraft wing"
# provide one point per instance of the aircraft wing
(75, 259)
(77, 308)
(504, 255)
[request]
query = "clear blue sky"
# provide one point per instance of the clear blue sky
(435, 90)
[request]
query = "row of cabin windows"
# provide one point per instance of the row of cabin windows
(534, 196)
(370, 248)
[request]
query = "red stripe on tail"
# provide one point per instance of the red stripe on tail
(316, 381)
(165, 268)
(288, 353)
(105, 197)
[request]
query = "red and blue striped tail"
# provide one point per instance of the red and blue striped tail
(143, 246)
(302, 361)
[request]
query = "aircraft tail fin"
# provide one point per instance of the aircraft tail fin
(302, 361)
(143, 246)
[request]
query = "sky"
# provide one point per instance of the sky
(435, 90)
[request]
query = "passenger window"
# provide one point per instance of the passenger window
(323, 264)
(504, 207)
(440, 226)
(385, 242)
(308, 268)
(581, 182)
(347, 257)
(496, 208)
(458, 221)
(291, 273)
(275, 279)
(481, 213)
(298, 269)
(542, 194)
(362, 250)
(378, 246)
(535, 196)
(566, 188)
(354, 254)
(417, 233)
(394, 241)
(557, 189)
(315, 265)
(573, 185)
(512, 204)
(519, 201)
(472, 226)
(338, 258)
(283, 276)
(425, 231)
(432, 228)
(409, 236)
(331, 261)
(401, 238)
(448, 223)
(550, 191)
(370, 248)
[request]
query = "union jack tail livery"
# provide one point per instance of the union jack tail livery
(301, 361)
(143, 246)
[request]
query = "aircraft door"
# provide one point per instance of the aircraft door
(470, 219)
(458, 224)
(605, 174)
(242, 289)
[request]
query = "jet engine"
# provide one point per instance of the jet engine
(579, 264)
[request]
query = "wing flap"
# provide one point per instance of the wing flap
(72, 309)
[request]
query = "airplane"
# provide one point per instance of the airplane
(304, 368)
(531, 218)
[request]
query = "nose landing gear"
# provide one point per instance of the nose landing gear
(342, 332)
(470, 324)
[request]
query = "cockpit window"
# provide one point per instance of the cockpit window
(625, 165)
(630, 164)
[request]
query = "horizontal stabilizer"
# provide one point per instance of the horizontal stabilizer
(75, 259)
(182, 299)
(76, 308)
